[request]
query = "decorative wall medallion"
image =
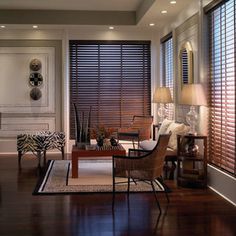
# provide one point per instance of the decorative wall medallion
(36, 79)
(35, 65)
(35, 94)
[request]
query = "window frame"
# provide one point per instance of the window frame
(222, 81)
(124, 65)
(167, 70)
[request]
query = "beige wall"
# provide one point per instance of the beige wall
(39, 38)
(218, 181)
(123, 33)
(197, 34)
(21, 114)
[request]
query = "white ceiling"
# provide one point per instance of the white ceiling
(88, 5)
(144, 11)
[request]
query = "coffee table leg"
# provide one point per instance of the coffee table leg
(74, 164)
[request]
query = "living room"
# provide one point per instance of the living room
(46, 32)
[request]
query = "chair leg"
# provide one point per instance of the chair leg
(39, 158)
(166, 193)
(113, 184)
(155, 194)
(172, 170)
(44, 157)
(128, 186)
(63, 153)
(167, 197)
(19, 157)
(133, 143)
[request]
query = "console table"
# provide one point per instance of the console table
(99, 152)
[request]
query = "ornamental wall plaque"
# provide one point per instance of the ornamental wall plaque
(35, 79)
(35, 64)
(35, 94)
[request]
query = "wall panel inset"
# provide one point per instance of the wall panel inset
(20, 112)
(10, 127)
(14, 79)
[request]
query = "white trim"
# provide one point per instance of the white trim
(222, 195)
(46, 176)
(222, 172)
(2, 154)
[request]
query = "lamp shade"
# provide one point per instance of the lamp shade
(193, 94)
(162, 95)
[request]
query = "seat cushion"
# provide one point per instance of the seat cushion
(147, 144)
(168, 126)
(175, 129)
(164, 126)
(150, 144)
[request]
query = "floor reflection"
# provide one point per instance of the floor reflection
(93, 215)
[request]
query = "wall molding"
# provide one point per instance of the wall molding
(188, 31)
(217, 180)
(193, 20)
(28, 125)
(39, 115)
(14, 76)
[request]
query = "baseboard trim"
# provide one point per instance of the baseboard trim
(227, 199)
(222, 183)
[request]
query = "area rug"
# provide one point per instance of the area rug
(95, 176)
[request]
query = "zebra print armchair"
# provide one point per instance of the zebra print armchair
(40, 143)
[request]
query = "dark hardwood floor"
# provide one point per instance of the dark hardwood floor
(190, 211)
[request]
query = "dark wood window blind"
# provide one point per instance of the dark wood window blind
(222, 86)
(111, 76)
(168, 70)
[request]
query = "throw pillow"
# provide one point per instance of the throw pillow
(164, 125)
(175, 129)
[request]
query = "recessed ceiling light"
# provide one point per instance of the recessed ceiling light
(3, 26)
(111, 27)
(151, 24)
(35, 26)
(164, 12)
(172, 2)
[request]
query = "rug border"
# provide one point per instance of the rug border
(48, 169)
(42, 177)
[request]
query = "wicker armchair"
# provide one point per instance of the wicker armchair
(140, 129)
(147, 166)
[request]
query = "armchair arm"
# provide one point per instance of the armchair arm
(125, 157)
(137, 150)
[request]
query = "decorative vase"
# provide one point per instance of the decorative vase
(100, 141)
(191, 148)
(113, 141)
(82, 127)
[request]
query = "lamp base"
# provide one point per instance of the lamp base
(191, 119)
(191, 148)
(161, 112)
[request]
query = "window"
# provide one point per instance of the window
(222, 86)
(111, 76)
(167, 70)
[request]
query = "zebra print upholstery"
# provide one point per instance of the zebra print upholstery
(40, 143)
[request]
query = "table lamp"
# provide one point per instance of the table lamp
(193, 95)
(162, 95)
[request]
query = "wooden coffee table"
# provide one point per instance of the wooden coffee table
(101, 152)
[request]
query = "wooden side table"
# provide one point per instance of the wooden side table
(192, 160)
